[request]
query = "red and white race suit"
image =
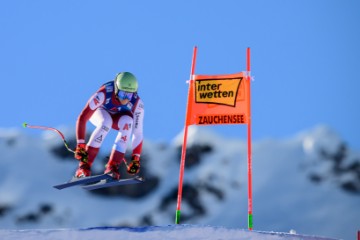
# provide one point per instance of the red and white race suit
(106, 112)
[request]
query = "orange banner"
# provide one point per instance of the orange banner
(218, 99)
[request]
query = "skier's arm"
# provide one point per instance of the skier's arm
(94, 102)
(138, 137)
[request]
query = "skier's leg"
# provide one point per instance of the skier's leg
(102, 121)
(124, 125)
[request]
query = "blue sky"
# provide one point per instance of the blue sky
(305, 60)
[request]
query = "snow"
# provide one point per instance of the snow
(170, 232)
(285, 199)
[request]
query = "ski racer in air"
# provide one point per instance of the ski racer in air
(116, 105)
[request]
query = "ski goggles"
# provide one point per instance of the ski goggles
(124, 95)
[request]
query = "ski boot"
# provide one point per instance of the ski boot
(112, 170)
(84, 170)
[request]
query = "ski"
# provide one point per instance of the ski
(111, 183)
(81, 181)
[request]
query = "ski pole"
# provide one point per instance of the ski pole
(25, 125)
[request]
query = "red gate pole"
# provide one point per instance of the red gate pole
(183, 150)
(249, 150)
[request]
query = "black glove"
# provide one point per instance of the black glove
(81, 153)
(134, 166)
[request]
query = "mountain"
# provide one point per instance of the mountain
(309, 182)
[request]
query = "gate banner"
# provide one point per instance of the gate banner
(218, 99)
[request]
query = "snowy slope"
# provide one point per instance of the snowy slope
(309, 182)
(170, 232)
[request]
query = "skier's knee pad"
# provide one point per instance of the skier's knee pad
(125, 123)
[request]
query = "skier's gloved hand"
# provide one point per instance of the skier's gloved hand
(134, 166)
(81, 153)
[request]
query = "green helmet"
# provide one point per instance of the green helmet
(126, 81)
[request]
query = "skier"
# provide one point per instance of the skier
(116, 105)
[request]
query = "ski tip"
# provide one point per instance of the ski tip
(24, 124)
